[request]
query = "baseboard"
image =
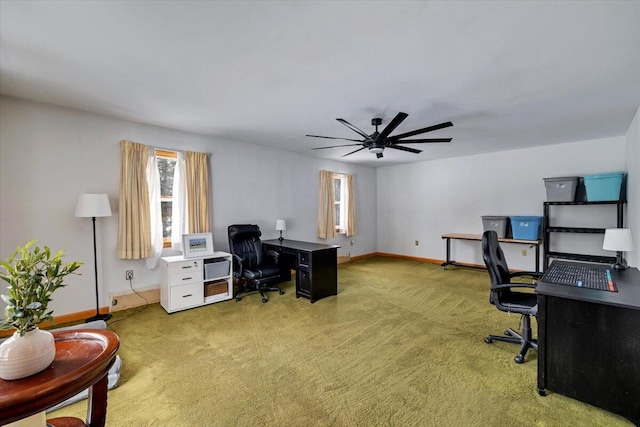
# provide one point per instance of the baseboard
(357, 257)
(412, 258)
(390, 255)
(132, 300)
(65, 318)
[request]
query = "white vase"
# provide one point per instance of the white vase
(21, 357)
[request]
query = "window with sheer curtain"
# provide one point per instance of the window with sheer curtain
(336, 205)
(163, 194)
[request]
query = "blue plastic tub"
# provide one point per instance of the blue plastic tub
(526, 227)
(603, 187)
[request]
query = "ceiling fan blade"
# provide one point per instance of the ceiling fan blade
(400, 147)
(419, 131)
(336, 146)
(355, 129)
(393, 124)
(333, 137)
(354, 151)
(379, 155)
(421, 141)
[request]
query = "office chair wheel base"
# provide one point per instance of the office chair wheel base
(488, 340)
(264, 300)
(508, 333)
(281, 292)
(238, 299)
(518, 359)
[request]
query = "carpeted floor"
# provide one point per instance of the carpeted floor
(401, 345)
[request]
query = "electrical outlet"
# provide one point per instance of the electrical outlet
(114, 302)
(524, 252)
(417, 243)
(128, 275)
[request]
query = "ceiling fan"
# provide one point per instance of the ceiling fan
(378, 141)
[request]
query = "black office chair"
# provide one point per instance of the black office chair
(505, 297)
(253, 269)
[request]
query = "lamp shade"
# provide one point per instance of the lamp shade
(280, 225)
(617, 239)
(93, 205)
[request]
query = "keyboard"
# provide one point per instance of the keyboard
(581, 276)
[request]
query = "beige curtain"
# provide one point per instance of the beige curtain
(134, 222)
(197, 183)
(351, 207)
(326, 209)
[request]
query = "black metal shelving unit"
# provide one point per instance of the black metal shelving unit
(548, 229)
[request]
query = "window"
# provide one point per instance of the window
(166, 167)
(339, 202)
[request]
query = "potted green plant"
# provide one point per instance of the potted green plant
(32, 274)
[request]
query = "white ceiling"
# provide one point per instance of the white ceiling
(507, 74)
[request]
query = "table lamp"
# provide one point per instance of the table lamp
(280, 226)
(619, 240)
(92, 206)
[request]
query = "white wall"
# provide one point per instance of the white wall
(49, 155)
(450, 196)
(633, 186)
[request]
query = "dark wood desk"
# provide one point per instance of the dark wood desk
(316, 266)
(478, 237)
(83, 359)
(589, 343)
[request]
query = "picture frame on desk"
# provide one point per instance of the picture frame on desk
(197, 245)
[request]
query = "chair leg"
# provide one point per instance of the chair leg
(511, 336)
(264, 289)
(245, 287)
(250, 287)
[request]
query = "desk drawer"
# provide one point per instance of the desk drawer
(186, 296)
(304, 258)
(185, 266)
(303, 282)
(185, 278)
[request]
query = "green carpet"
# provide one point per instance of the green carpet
(401, 345)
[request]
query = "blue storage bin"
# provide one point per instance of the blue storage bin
(603, 187)
(526, 227)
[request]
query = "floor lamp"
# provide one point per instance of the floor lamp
(92, 206)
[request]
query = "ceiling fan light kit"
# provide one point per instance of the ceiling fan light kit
(378, 141)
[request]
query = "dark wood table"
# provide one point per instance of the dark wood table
(83, 359)
(316, 266)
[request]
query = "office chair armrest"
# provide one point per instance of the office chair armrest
(513, 285)
(526, 273)
(274, 255)
(535, 276)
(237, 261)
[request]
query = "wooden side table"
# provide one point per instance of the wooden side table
(83, 359)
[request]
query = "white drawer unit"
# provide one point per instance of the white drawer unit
(193, 282)
(186, 296)
(185, 278)
(185, 266)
